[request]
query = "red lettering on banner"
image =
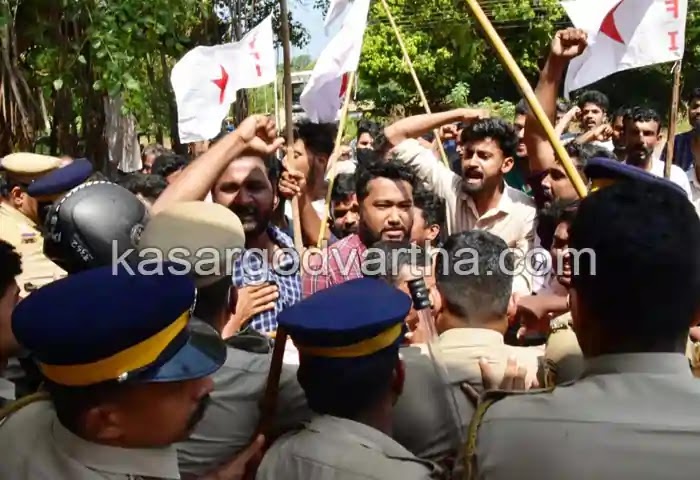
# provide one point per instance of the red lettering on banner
(256, 55)
(673, 36)
(672, 7)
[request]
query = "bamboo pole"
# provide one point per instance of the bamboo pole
(529, 95)
(419, 87)
(268, 405)
(334, 157)
(672, 118)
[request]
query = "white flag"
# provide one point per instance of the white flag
(323, 95)
(624, 34)
(335, 10)
(206, 79)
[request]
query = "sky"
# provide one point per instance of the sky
(313, 22)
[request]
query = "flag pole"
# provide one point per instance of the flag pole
(672, 118)
(268, 406)
(419, 87)
(524, 86)
(334, 157)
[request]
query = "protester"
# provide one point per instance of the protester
(351, 390)
(385, 195)
(146, 187)
(345, 211)
(618, 132)
(429, 219)
(241, 174)
(169, 166)
(518, 175)
(684, 143)
(642, 135)
(594, 108)
(149, 155)
(479, 198)
(632, 333)
(367, 131)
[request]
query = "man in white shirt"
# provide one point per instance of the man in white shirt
(479, 198)
(694, 186)
(642, 137)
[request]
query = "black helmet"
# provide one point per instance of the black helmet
(93, 225)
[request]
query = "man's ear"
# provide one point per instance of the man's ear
(275, 201)
(102, 423)
(508, 164)
(17, 196)
(433, 232)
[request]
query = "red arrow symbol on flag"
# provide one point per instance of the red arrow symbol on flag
(221, 83)
(343, 85)
(609, 28)
(256, 55)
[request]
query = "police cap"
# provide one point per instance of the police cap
(103, 325)
(60, 180)
(27, 167)
(603, 172)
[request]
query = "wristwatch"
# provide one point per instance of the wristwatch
(559, 323)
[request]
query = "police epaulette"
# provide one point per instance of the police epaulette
(21, 403)
(487, 399)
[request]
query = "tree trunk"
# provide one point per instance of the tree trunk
(94, 118)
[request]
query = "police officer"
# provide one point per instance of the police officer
(633, 412)
(206, 237)
(22, 205)
(126, 378)
(352, 375)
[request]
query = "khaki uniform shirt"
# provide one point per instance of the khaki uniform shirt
(35, 446)
(513, 219)
(630, 416)
(424, 415)
(22, 233)
(230, 421)
(332, 448)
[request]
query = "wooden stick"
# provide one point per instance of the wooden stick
(525, 88)
(268, 405)
(672, 118)
(334, 157)
(289, 119)
(419, 87)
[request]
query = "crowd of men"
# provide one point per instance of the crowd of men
(460, 317)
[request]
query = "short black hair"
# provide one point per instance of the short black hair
(495, 128)
(521, 108)
(344, 186)
(623, 112)
(333, 389)
(560, 211)
(596, 98)
(642, 282)
(644, 114)
(562, 107)
(147, 185)
(385, 259)
(367, 126)
(319, 138)
(10, 266)
(367, 156)
(432, 207)
(168, 163)
(393, 170)
(693, 95)
(212, 300)
(583, 152)
(473, 274)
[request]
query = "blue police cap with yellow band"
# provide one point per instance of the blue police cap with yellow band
(603, 172)
(354, 319)
(61, 180)
(103, 325)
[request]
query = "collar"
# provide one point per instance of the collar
(505, 204)
(280, 238)
(462, 337)
(363, 434)
(145, 462)
(10, 211)
(649, 363)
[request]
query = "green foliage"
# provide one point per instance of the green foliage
(498, 108)
(459, 96)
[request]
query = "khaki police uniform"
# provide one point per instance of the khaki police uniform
(22, 232)
(424, 421)
(232, 417)
(35, 446)
(332, 448)
(231, 420)
(631, 416)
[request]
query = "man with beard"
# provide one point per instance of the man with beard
(686, 147)
(31, 185)
(119, 391)
(518, 174)
(367, 131)
(385, 196)
(642, 135)
(241, 174)
(479, 198)
(618, 132)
